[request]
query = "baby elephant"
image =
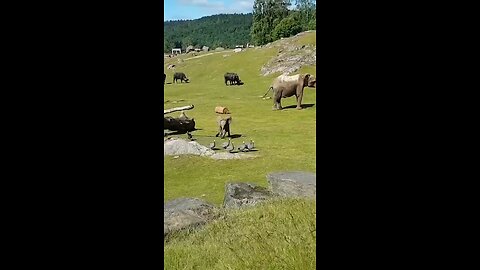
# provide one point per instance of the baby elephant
(223, 126)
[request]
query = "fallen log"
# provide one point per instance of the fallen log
(181, 124)
(176, 109)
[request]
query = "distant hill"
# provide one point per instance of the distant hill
(222, 30)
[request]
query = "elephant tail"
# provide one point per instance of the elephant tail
(271, 88)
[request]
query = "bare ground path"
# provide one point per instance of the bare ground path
(198, 56)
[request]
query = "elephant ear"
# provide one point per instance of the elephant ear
(305, 78)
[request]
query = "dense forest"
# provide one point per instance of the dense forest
(270, 21)
(223, 30)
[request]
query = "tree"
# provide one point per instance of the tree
(307, 9)
(312, 24)
(287, 27)
(266, 15)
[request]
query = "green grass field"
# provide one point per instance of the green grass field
(274, 235)
(285, 139)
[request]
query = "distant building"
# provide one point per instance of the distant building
(176, 51)
(189, 49)
(205, 48)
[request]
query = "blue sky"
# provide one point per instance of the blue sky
(194, 9)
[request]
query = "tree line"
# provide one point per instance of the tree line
(273, 19)
(270, 21)
(223, 30)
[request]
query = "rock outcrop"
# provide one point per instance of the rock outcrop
(244, 194)
(186, 213)
(182, 147)
(293, 184)
(174, 147)
(291, 56)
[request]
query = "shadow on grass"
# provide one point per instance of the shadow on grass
(233, 136)
(178, 132)
(295, 106)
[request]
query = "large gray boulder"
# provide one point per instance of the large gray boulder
(244, 194)
(293, 184)
(185, 213)
(181, 147)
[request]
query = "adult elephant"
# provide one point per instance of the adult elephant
(287, 88)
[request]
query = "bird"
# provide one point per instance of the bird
(212, 145)
(230, 147)
(226, 144)
(242, 146)
(251, 145)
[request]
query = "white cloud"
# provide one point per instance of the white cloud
(202, 3)
(217, 7)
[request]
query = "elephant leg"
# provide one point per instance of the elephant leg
(277, 98)
(299, 99)
(223, 130)
(227, 127)
(219, 133)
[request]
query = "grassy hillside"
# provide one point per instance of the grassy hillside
(285, 139)
(276, 234)
(279, 235)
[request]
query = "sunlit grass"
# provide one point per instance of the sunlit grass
(285, 139)
(274, 235)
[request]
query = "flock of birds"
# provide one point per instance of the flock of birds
(230, 147)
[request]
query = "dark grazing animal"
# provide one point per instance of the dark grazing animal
(232, 78)
(179, 76)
